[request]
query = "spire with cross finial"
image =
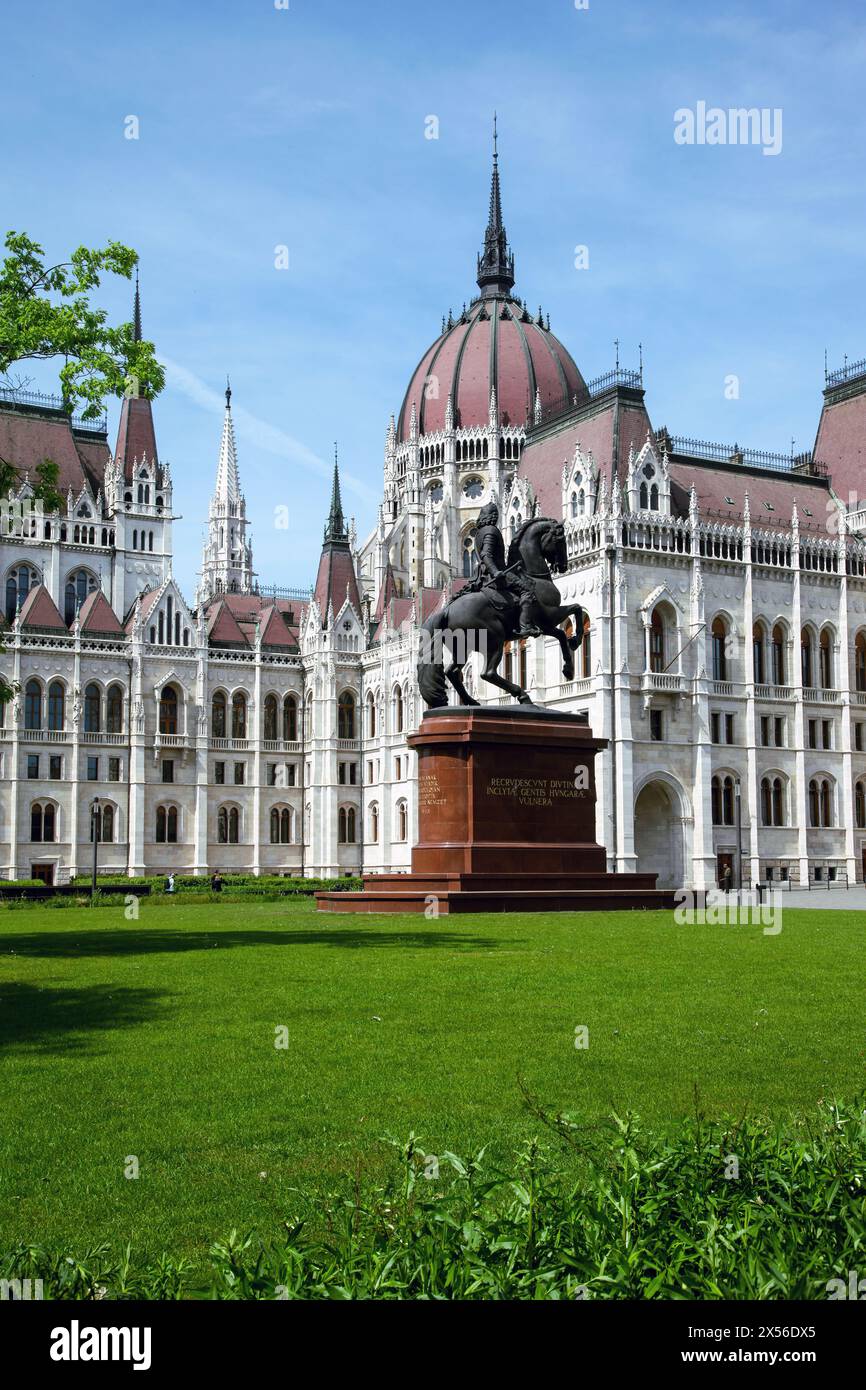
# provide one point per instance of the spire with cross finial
(496, 262)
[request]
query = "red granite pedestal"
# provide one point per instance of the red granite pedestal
(506, 814)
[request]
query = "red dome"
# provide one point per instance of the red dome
(495, 343)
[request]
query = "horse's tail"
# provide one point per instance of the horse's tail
(431, 674)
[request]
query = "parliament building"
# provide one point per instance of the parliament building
(259, 729)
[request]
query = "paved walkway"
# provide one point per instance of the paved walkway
(822, 899)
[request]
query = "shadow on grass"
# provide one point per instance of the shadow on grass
(142, 941)
(60, 1020)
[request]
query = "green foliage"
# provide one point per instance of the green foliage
(45, 312)
(648, 1216)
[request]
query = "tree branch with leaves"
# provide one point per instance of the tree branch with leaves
(46, 313)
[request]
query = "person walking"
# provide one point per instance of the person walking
(216, 883)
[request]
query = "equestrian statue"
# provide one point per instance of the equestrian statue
(510, 597)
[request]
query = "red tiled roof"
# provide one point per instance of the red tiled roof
(136, 438)
(28, 438)
(336, 575)
(274, 631)
(222, 627)
(493, 346)
(608, 433)
(841, 444)
(40, 611)
(714, 484)
(97, 616)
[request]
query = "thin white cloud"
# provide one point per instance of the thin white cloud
(269, 438)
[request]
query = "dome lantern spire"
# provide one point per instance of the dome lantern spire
(496, 262)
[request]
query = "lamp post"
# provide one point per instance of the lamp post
(94, 835)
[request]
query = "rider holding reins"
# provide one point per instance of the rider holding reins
(513, 580)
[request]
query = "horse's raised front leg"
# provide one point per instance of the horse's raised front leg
(565, 646)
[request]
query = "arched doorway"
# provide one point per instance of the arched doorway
(658, 834)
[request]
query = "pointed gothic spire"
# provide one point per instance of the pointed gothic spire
(228, 487)
(136, 312)
(496, 262)
(336, 527)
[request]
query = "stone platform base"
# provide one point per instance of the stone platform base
(418, 893)
(506, 820)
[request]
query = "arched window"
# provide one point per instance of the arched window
(239, 715)
(772, 801)
(574, 504)
(346, 715)
(777, 656)
(806, 657)
(308, 716)
(860, 662)
(346, 825)
(108, 825)
(166, 825)
(371, 716)
(826, 803)
(18, 585)
(820, 802)
(92, 709)
(114, 710)
(285, 826)
(722, 796)
(657, 642)
(271, 710)
(860, 806)
(586, 648)
(402, 821)
(720, 649)
(825, 648)
(766, 802)
(33, 705)
(654, 498)
(56, 705)
(397, 705)
(42, 823)
(168, 710)
(234, 825)
(223, 825)
(643, 497)
(78, 586)
(275, 827)
(759, 637)
(374, 823)
(470, 559)
(218, 715)
(290, 719)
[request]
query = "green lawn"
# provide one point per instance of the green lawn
(156, 1038)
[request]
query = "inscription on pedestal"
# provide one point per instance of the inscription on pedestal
(540, 791)
(430, 792)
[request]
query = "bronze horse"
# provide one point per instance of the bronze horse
(538, 548)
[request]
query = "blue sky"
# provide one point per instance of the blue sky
(305, 127)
